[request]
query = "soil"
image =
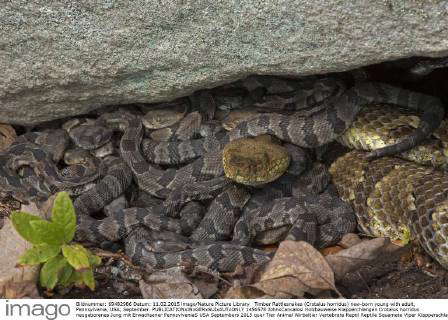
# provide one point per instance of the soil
(395, 280)
(390, 280)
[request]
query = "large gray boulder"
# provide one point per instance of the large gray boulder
(63, 58)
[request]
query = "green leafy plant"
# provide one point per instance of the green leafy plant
(64, 262)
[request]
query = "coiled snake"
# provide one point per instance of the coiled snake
(308, 113)
(393, 197)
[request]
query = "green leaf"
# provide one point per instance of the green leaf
(94, 260)
(77, 256)
(63, 213)
(76, 278)
(48, 232)
(65, 278)
(88, 279)
(21, 222)
(49, 274)
(39, 253)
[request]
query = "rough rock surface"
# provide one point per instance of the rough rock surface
(66, 57)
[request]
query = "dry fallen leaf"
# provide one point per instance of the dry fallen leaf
(169, 284)
(349, 240)
(296, 268)
(240, 280)
(287, 285)
(330, 250)
(13, 246)
(7, 136)
(245, 275)
(358, 255)
(245, 292)
(206, 288)
(21, 290)
(205, 280)
(300, 259)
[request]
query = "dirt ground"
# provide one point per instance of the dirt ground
(384, 280)
(394, 280)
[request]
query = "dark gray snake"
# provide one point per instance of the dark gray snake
(223, 213)
(35, 154)
(309, 118)
(338, 112)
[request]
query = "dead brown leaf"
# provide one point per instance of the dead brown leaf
(246, 275)
(240, 281)
(296, 268)
(302, 260)
(358, 255)
(169, 284)
(244, 292)
(207, 287)
(330, 250)
(7, 136)
(13, 246)
(282, 286)
(204, 279)
(349, 240)
(21, 290)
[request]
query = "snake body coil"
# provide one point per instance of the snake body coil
(303, 113)
(396, 198)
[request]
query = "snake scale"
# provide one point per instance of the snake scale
(396, 198)
(298, 205)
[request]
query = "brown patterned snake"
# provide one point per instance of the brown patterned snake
(312, 113)
(396, 198)
(333, 115)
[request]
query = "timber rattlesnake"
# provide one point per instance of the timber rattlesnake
(312, 113)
